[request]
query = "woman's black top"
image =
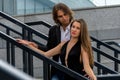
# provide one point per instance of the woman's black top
(73, 60)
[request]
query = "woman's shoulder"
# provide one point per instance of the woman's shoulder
(63, 43)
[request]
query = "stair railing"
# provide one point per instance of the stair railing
(26, 33)
(46, 60)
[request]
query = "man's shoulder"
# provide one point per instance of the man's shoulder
(55, 27)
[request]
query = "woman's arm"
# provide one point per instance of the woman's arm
(49, 53)
(25, 42)
(86, 65)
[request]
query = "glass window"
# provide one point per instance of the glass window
(22, 7)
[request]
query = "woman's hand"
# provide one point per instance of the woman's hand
(90, 78)
(27, 43)
(93, 78)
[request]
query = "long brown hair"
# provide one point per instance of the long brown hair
(64, 8)
(85, 39)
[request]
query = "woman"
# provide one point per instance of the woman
(76, 53)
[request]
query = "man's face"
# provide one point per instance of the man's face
(63, 18)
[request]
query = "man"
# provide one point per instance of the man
(62, 16)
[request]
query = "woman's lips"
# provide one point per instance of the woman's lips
(73, 33)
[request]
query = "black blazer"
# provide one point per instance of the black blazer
(54, 38)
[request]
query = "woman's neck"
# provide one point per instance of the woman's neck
(73, 39)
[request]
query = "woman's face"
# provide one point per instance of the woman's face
(75, 29)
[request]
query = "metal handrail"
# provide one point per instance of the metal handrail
(106, 55)
(26, 27)
(26, 34)
(22, 25)
(8, 72)
(47, 60)
(113, 43)
(109, 77)
(39, 23)
(49, 25)
(105, 69)
(105, 44)
(115, 58)
(116, 52)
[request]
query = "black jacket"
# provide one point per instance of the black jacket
(54, 38)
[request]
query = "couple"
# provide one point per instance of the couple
(75, 53)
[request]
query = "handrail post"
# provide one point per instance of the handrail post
(30, 64)
(12, 54)
(25, 54)
(46, 71)
(8, 47)
(30, 57)
(98, 58)
(115, 63)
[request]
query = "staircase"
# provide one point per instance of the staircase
(30, 62)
